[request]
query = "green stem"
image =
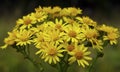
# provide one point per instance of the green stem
(99, 54)
(92, 65)
(62, 66)
(24, 50)
(59, 67)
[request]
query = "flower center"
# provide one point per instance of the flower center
(70, 47)
(72, 33)
(55, 36)
(58, 26)
(23, 38)
(79, 55)
(41, 39)
(52, 52)
(27, 21)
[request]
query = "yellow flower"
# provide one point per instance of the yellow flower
(47, 10)
(53, 35)
(40, 28)
(112, 37)
(10, 40)
(90, 34)
(107, 29)
(39, 9)
(58, 24)
(51, 52)
(26, 22)
(80, 54)
(69, 47)
(71, 11)
(74, 11)
(97, 44)
(86, 21)
(23, 37)
(56, 9)
(72, 33)
(39, 16)
(39, 39)
(64, 12)
(69, 20)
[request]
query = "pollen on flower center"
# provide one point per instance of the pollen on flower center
(52, 52)
(58, 26)
(72, 33)
(23, 38)
(55, 38)
(27, 21)
(70, 47)
(79, 55)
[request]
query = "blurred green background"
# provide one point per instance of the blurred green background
(101, 11)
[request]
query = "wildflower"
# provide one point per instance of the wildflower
(40, 28)
(53, 35)
(87, 21)
(80, 54)
(39, 16)
(10, 40)
(39, 9)
(72, 33)
(74, 11)
(52, 52)
(97, 44)
(56, 9)
(39, 39)
(69, 20)
(58, 24)
(112, 37)
(69, 47)
(107, 29)
(47, 10)
(90, 34)
(23, 37)
(26, 22)
(64, 12)
(60, 34)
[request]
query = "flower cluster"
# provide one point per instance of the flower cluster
(58, 32)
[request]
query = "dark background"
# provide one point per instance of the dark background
(26, 6)
(101, 11)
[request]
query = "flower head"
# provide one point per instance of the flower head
(39, 16)
(72, 33)
(26, 21)
(112, 37)
(61, 35)
(23, 37)
(52, 52)
(80, 55)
